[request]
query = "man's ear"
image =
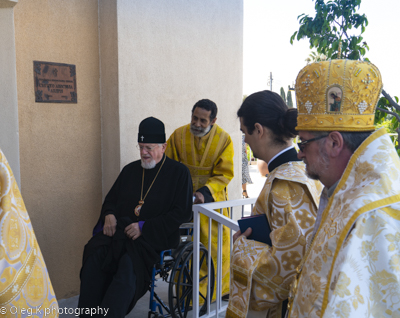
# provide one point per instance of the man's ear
(163, 147)
(335, 143)
(213, 121)
(259, 129)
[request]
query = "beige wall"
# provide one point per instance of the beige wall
(133, 59)
(171, 54)
(109, 80)
(9, 139)
(60, 144)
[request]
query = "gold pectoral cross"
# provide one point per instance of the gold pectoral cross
(139, 207)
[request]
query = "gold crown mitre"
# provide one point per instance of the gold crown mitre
(338, 95)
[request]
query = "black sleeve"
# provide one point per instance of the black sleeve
(205, 191)
(110, 201)
(162, 231)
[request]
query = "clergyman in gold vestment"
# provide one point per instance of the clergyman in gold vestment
(25, 286)
(352, 267)
(261, 274)
(207, 150)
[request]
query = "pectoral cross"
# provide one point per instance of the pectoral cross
(139, 207)
(142, 138)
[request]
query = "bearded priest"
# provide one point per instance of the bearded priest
(352, 266)
(207, 150)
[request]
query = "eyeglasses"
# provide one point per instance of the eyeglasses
(147, 148)
(303, 144)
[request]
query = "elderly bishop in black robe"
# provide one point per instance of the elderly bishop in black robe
(140, 218)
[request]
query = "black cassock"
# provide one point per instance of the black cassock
(167, 205)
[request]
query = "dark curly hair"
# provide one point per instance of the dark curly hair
(207, 105)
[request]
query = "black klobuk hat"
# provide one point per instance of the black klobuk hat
(151, 131)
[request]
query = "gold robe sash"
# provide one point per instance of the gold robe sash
(261, 274)
(352, 268)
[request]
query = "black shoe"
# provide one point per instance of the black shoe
(225, 297)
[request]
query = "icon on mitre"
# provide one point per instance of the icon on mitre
(334, 99)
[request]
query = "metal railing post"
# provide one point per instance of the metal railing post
(196, 260)
(207, 209)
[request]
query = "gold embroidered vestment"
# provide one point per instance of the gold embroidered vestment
(210, 161)
(260, 274)
(25, 286)
(353, 268)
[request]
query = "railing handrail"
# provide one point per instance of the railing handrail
(208, 210)
(225, 204)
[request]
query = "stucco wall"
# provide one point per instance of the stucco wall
(9, 139)
(170, 55)
(109, 101)
(133, 59)
(60, 144)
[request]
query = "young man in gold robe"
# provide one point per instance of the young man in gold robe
(25, 286)
(352, 267)
(207, 150)
(261, 274)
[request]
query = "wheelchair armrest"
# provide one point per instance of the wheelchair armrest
(168, 258)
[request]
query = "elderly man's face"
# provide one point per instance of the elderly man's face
(151, 154)
(314, 156)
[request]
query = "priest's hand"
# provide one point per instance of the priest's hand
(110, 225)
(133, 231)
(238, 233)
(199, 198)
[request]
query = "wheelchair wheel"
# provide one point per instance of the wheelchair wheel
(180, 291)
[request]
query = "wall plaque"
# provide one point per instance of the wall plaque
(54, 82)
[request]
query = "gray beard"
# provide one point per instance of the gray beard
(324, 166)
(201, 132)
(148, 165)
(312, 175)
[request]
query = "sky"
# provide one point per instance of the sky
(269, 24)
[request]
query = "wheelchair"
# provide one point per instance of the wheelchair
(175, 268)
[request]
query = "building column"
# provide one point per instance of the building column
(9, 135)
(109, 93)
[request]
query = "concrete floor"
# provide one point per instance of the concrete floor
(141, 309)
(142, 306)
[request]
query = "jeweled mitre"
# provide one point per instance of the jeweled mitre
(337, 95)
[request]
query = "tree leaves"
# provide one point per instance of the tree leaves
(381, 116)
(330, 25)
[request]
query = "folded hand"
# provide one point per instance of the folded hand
(133, 231)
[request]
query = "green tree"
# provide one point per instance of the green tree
(289, 101)
(388, 116)
(329, 29)
(283, 95)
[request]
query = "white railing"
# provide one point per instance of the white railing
(207, 209)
